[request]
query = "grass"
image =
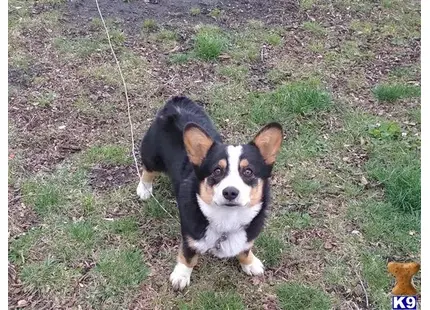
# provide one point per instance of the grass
(287, 100)
(209, 43)
(195, 11)
(394, 92)
(179, 58)
(149, 25)
(217, 301)
(46, 196)
(314, 28)
(270, 249)
(298, 296)
(121, 269)
(107, 154)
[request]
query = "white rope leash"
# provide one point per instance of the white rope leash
(128, 109)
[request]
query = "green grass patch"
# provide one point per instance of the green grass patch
(380, 222)
(216, 12)
(22, 247)
(195, 11)
(274, 39)
(393, 92)
(149, 25)
(49, 275)
(208, 300)
(166, 35)
(107, 154)
(379, 283)
(235, 72)
(386, 130)
(314, 28)
(270, 249)
(209, 43)
(122, 269)
(45, 195)
(294, 98)
(179, 58)
(292, 220)
(304, 187)
(398, 168)
(301, 297)
(80, 46)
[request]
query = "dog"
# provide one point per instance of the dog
(222, 191)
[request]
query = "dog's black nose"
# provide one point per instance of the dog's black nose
(230, 193)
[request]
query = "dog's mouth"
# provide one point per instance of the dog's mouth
(231, 204)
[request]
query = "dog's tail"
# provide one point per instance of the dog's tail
(176, 113)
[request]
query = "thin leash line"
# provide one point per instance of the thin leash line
(128, 111)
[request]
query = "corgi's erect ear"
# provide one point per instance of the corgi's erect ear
(268, 141)
(197, 143)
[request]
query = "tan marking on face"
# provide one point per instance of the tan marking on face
(147, 176)
(246, 258)
(206, 192)
(268, 141)
(191, 263)
(222, 163)
(244, 163)
(256, 193)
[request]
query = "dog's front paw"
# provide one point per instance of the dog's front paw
(256, 268)
(180, 277)
(144, 190)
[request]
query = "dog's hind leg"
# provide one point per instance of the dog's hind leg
(144, 189)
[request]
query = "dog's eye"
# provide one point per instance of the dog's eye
(248, 172)
(217, 172)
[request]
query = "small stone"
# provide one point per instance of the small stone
(355, 232)
(62, 127)
(22, 303)
(412, 232)
(328, 245)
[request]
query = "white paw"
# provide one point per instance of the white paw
(256, 268)
(180, 277)
(144, 190)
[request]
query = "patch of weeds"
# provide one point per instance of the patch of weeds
(314, 28)
(301, 297)
(399, 170)
(415, 115)
(380, 222)
(255, 24)
(406, 72)
(122, 269)
(270, 249)
(208, 300)
(274, 39)
(317, 46)
(337, 272)
(306, 4)
(377, 277)
(393, 92)
(149, 25)
(238, 73)
(307, 144)
(46, 99)
(294, 98)
(195, 11)
(361, 27)
(179, 58)
(80, 46)
(386, 130)
(82, 232)
(88, 203)
(216, 12)
(305, 187)
(49, 275)
(107, 154)
(292, 220)
(44, 195)
(209, 43)
(127, 227)
(21, 247)
(166, 35)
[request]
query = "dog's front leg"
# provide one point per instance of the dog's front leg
(250, 264)
(186, 261)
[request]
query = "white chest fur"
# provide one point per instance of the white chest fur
(225, 235)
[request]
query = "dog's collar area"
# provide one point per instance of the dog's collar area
(220, 239)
